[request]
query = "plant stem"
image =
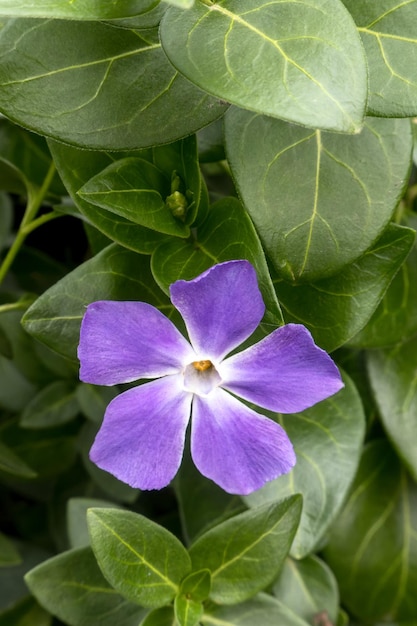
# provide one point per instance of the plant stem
(29, 221)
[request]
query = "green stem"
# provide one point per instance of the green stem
(29, 223)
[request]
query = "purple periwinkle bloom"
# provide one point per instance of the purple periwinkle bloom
(141, 440)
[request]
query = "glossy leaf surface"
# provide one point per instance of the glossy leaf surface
(141, 559)
(318, 200)
(291, 46)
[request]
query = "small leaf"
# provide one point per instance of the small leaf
(372, 546)
(335, 308)
(188, 612)
(56, 316)
(293, 49)
(327, 440)
(308, 587)
(388, 32)
(350, 188)
(197, 585)
(12, 464)
(392, 374)
(136, 190)
(142, 560)
(8, 553)
(55, 404)
(72, 587)
(245, 553)
(164, 616)
(125, 85)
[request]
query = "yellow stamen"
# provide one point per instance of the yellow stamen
(202, 366)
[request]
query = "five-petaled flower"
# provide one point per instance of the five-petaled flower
(141, 439)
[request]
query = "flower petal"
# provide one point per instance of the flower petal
(221, 307)
(234, 446)
(123, 341)
(285, 372)
(141, 440)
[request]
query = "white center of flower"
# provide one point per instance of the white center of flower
(201, 377)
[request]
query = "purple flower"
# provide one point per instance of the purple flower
(141, 439)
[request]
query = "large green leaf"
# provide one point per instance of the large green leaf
(389, 34)
(114, 274)
(245, 553)
(78, 10)
(72, 587)
(335, 308)
(226, 234)
(55, 404)
(327, 440)
(392, 374)
(372, 547)
(142, 560)
(127, 94)
(263, 610)
(318, 200)
(395, 319)
(308, 587)
(274, 58)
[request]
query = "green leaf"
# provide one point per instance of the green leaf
(388, 32)
(188, 612)
(8, 553)
(245, 553)
(15, 390)
(72, 587)
(56, 316)
(308, 587)
(335, 308)
(372, 546)
(68, 9)
(150, 19)
(293, 48)
(12, 464)
(350, 188)
(55, 404)
(164, 616)
(197, 585)
(327, 440)
(263, 610)
(392, 373)
(142, 560)
(93, 400)
(395, 319)
(125, 85)
(184, 4)
(76, 167)
(136, 190)
(26, 612)
(12, 586)
(77, 527)
(226, 234)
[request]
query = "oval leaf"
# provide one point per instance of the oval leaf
(72, 587)
(263, 610)
(245, 553)
(125, 85)
(372, 547)
(327, 440)
(350, 188)
(142, 560)
(55, 404)
(293, 48)
(389, 34)
(392, 374)
(68, 9)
